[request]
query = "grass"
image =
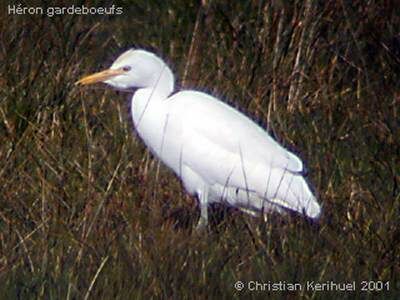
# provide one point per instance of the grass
(87, 212)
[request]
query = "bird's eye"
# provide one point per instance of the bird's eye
(126, 68)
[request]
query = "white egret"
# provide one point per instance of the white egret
(219, 154)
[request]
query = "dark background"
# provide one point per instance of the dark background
(87, 211)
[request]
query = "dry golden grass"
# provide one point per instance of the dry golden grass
(87, 212)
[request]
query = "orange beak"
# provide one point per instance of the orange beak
(99, 77)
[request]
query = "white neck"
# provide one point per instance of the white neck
(163, 82)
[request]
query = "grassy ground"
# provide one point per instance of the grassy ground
(87, 212)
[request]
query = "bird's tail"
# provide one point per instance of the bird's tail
(291, 191)
(280, 190)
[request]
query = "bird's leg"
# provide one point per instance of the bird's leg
(203, 220)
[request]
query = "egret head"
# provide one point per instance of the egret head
(135, 69)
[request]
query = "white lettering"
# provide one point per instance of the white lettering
(23, 10)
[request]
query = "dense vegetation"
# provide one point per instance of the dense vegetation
(87, 212)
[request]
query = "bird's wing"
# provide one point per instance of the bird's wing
(215, 123)
(235, 156)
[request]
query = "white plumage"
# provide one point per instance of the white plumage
(219, 154)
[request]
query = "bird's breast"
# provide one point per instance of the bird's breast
(158, 127)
